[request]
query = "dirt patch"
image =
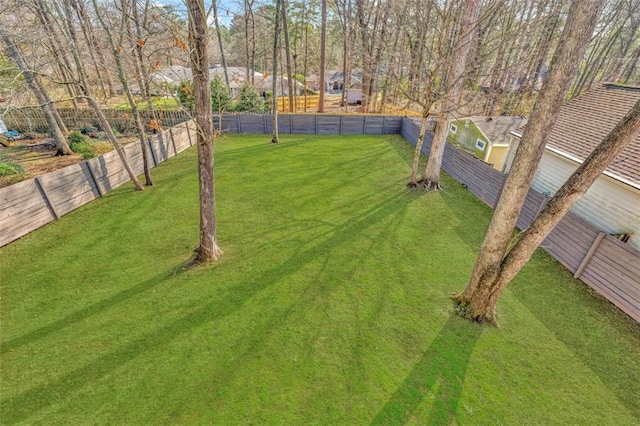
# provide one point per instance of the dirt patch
(36, 155)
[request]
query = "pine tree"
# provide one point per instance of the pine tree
(250, 100)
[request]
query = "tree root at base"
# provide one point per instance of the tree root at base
(202, 258)
(429, 185)
(464, 309)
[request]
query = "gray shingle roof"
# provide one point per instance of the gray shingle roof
(497, 129)
(586, 120)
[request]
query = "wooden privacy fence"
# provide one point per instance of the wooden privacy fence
(33, 203)
(606, 264)
(311, 124)
(609, 266)
(301, 101)
(32, 118)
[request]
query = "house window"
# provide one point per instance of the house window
(453, 128)
(480, 144)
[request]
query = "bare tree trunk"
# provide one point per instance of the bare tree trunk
(38, 91)
(431, 178)
(44, 16)
(345, 54)
(143, 76)
(214, 6)
(418, 151)
(247, 55)
(323, 54)
(84, 85)
(470, 12)
(208, 249)
(478, 301)
(98, 60)
(560, 204)
(287, 50)
(116, 51)
(274, 98)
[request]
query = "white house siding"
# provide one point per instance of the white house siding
(610, 205)
(514, 141)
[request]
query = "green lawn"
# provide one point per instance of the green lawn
(157, 102)
(330, 306)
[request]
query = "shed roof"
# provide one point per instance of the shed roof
(586, 120)
(498, 128)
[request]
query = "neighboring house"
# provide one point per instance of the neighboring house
(336, 81)
(176, 74)
(485, 137)
(237, 77)
(265, 84)
(313, 81)
(613, 202)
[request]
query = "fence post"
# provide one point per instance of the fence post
(340, 124)
(173, 142)
(95, 180)
(316, 123)
(384, 119)
(188, 133)
(589, 255)
(239, 127)
(47, 200)
(153, 154)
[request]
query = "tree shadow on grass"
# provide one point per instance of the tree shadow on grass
(19, 407)
(82, 314)
(439, 375)
(593, 329)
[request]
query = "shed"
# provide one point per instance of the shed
(487, 138)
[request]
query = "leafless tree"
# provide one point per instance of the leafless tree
(208, 249)
(478, 301)
(117, 48)
(39, 92)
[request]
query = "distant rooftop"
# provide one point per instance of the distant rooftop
(498, 128)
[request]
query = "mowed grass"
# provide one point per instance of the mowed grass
(330, 306)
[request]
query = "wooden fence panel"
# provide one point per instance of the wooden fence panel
(328, 124)
(70, 187)
(107, 170)
(133, 152)
(570, 240)
(160, 145)
(532, 205)
(23, 210)
(230, 123)
(481, 179)
(303, 124)
(392, 125)
(253, 123)
(32, 118)
(352, 125)
(284, 123)
(614, 272)
(410, 131)
(373, 125)
(181, 137)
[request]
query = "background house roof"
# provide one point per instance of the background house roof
(497, 129)
(174, 74)
(586, 120)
